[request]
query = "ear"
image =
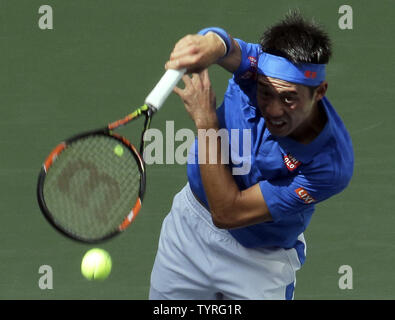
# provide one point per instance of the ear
(320, 91)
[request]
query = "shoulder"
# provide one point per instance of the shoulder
(333, 165)
(339, 147)
(330, 169)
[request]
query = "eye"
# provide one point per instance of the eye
(288, 100)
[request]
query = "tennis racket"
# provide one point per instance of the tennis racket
(91, 186)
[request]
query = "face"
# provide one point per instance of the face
(286, 106)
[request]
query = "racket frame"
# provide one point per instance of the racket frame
(108, 132)
(153, 102)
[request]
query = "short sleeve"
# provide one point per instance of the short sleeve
(295, 194)
(249, 60)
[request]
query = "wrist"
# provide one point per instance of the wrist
(220, 47)
(207, 123)
(222, 34)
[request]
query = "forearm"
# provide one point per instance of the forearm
(229, 206)
(219, 185)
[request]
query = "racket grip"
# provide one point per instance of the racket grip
(164, 87)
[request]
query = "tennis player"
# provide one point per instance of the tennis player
(240, 236)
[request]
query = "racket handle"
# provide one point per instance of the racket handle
(164, 87)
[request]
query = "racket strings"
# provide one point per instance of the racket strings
(92, 186)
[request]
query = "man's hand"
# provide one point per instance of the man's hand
(196, 52)
(199, 100)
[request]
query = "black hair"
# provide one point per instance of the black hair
(298, 40)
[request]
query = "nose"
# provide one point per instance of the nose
(273, 109)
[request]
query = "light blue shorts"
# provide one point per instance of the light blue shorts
(196, 260)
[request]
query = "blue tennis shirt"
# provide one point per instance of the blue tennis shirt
(293, 177)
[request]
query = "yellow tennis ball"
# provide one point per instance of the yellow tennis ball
(96, 264)
(118, 150)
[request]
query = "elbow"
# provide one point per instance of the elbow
(222, 224)
(226, 215)
(238, 219)
(222, 221)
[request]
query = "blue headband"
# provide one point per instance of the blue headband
(309, 74)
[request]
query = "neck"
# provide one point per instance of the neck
(313, 125)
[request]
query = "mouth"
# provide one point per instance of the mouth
(276, 124)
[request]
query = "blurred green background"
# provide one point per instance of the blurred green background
(101, 60)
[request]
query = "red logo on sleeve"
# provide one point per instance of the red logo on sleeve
(291, 162)
(304, 195)
(253, 61)
(251, 72)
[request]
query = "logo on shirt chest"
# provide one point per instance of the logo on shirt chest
(291, 163)
(304, 195)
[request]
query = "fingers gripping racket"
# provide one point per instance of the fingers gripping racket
(91, 186)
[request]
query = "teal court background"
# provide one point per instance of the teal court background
(100, 61)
